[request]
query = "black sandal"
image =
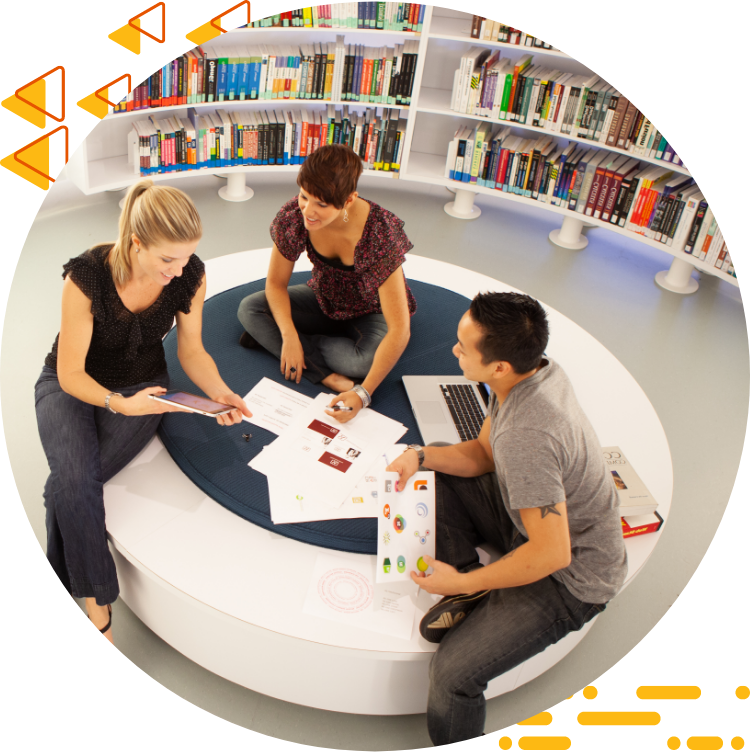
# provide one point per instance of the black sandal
(109, 623)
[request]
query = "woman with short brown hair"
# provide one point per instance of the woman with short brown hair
(351, 322)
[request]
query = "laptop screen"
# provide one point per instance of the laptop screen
(484, 390)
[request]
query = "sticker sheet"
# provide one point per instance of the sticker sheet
(406, 526)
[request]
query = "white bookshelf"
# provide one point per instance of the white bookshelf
(101, 163)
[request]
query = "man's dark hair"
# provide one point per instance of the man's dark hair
(331, 173)
(515, 329)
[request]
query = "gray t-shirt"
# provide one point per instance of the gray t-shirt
(546, 452)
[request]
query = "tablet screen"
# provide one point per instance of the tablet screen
(198, 403)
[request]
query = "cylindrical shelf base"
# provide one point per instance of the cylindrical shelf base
(235, 189)
(569, 235)
(462, 207)
(678, 278)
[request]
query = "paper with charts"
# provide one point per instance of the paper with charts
(342, 589)
(361, 501)
(324, 458)
(406, 526)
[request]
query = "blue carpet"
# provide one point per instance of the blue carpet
(216, 458)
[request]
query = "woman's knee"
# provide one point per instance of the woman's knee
(252, 306)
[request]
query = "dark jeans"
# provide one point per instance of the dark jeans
(85, 446)
(330, 346)
(507, 628)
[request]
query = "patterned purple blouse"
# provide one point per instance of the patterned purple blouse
(349, 292)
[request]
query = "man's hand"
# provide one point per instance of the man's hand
(405, 465)
(350, 399)
(444, 580)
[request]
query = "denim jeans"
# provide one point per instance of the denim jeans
(330, 346)
(85, 446)
(507, 628)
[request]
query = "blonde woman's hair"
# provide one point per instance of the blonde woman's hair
(154, 214)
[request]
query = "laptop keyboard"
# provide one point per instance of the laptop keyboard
(464, 407)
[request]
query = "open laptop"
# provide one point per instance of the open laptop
(447, 408)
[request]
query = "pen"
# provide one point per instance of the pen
(342, 409)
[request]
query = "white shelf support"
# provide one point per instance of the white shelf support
(235, 189)
(569, 235)
(678, 278)
(462, 207)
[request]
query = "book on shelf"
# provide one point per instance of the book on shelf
(368, 15)
(641, 524)
(635, 499)
(222, 138)
(492, 31)
(329, 71)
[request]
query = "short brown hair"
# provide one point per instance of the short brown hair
(331, 173)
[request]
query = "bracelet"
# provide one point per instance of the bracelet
(107, 399)
(363, 394)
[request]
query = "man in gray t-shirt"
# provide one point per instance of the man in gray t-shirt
(535, 486)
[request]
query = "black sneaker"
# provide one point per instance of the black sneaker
(447, 613)
(247, 341)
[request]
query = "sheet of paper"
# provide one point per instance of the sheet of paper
(406, 526)
(362, 501)
(343, 589)
(329, 458)
(275, 406)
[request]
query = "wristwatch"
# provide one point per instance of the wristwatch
(108, 398)
(419, 450)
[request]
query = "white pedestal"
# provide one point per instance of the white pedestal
(462, 207)
(678, 278)
(235, 189)
(569, 235)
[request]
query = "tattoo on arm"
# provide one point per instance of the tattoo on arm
(509, 554)
(549, 510)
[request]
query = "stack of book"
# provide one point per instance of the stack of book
(650, 200)
(493, 31)
(368, 15)
(583, 106)
(333, 71)
(228, 139)
(637, 506)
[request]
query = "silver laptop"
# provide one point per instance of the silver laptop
(447, 408)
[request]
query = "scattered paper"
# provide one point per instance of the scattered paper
(361, 501)
(406, 526)
(343, 589)
(275, 406)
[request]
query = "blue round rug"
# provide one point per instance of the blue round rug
(216, 458)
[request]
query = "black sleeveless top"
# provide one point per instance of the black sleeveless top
(126, 348)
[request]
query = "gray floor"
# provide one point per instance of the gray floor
(689, 355)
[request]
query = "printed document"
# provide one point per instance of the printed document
(274, 406)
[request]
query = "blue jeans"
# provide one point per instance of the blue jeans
(85, 446)
(507, 628)
(330, 346)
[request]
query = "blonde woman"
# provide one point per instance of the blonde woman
(93, 398)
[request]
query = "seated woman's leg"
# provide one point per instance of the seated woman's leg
(310, 322)
(82, 442)
(352, 354)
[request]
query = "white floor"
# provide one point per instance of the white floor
(689, 355)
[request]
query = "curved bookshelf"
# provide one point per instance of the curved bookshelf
(101, 163)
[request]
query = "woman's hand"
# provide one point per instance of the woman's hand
(229, 419)
(350, 399)
(142, 404)
(292, 359)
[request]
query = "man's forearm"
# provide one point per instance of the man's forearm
(464, 460)
(522, 566)
(390, 349)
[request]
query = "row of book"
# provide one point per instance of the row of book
(207, 139)
(493, 31)
(333, 71)
(650, 200)
(584, 106)
(369, 15)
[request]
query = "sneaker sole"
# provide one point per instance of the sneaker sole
(445, 615)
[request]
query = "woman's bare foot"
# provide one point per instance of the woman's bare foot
(99, 616)
(338, 383)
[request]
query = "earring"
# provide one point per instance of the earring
(346, 216)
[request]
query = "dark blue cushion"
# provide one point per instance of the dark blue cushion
(215, 458)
